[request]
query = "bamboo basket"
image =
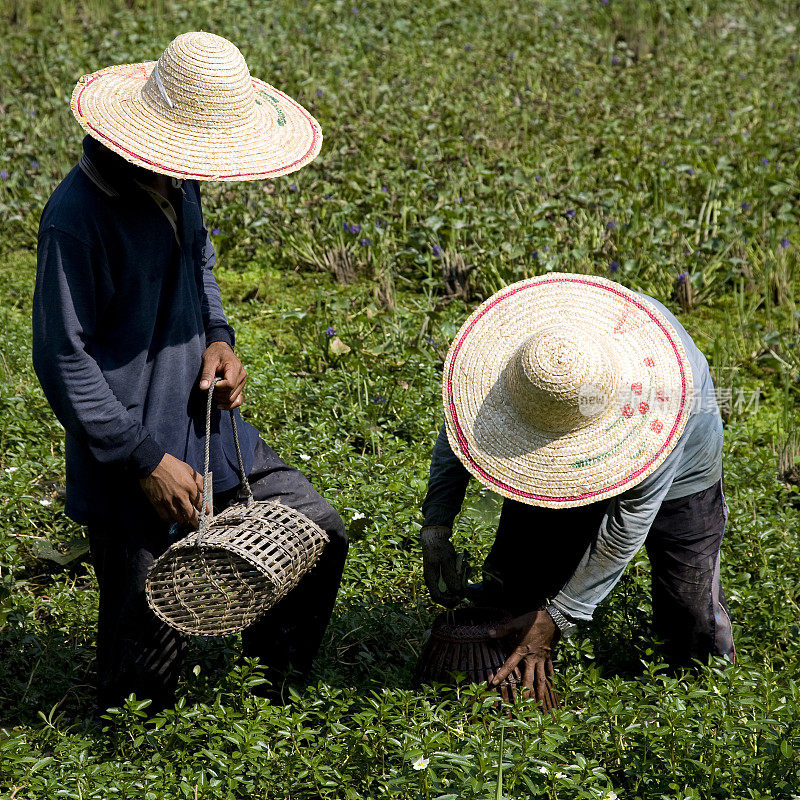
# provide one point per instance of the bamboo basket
(459, 644)
(237, 566)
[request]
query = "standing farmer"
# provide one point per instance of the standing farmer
(589, 408)
(129, 331)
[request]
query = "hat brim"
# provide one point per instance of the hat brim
(615, 448)
(278, 137)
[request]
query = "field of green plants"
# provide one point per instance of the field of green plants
(467, 145)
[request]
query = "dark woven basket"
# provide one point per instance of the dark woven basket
(237, 566)
(459, 644)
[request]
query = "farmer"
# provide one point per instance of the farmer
(590, 410)
(129, 331)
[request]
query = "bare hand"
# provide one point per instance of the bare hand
(219, 359)
(176, 491)
(536, 633)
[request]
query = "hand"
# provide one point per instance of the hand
(444, 570)
(537, 633)
(219, 359)
(175, 490)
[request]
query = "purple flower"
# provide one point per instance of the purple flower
(430, 340)
(319, 92)
(381, 223)
(764, 162)
(614, 266)
(614, 60)
(328, 196)
(330, 331)
(570, 212)
(663, 163)
(604, 2)
(3, 175)
(378, 399)
(537, 177)
(355, 229)
(215, 231)
(355, 9)
(35, 164)
(437, 251)
(535, 255)
(366, 242)
(468, 47)
(785, 243)
(384, 188)
(683, 277)
(611, 224)
(546, 247)
(293, 187)
(346, 227)
(689, 171)
(746, 206)
(459, 199)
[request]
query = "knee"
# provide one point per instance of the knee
(329, 520)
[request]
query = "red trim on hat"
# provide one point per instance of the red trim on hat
(462, 441)
(200, 175)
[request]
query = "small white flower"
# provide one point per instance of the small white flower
(358, 515)
(544, 770)
(45, 502)
(304, 457)
(10, 470)
(421, 762)
(560, 775)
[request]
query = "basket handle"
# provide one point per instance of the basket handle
(208, 497)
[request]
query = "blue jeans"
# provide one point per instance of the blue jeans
(537, 549)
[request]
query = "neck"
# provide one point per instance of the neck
(161, 183)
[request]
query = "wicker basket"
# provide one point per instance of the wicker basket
(459, 643)
(237, 566)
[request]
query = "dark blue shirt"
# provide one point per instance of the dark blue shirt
(124, 307)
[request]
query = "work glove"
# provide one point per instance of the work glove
(445, 570)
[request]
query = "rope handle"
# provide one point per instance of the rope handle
(208, 498)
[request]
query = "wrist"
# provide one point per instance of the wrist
(563, 623)
(435, 533)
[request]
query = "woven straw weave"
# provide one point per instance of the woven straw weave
(248, 560)
(197, 113)
(459, 644)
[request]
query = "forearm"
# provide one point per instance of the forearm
(447, 485)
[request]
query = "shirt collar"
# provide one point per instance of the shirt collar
(111, 173)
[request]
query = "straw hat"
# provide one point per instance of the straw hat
(197, 113)
(565, 389)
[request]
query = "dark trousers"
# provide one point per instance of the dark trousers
(138, 653)
(537, 550)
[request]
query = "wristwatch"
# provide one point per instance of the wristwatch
(564, 624)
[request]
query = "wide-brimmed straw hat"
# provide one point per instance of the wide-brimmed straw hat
(563, 390)
(197, 113)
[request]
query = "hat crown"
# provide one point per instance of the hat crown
(559, 378)
(201, 78)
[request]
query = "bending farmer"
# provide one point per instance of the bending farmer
(590, 410)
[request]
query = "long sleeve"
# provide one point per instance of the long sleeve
(214, 320)
(622, 533)
(447, 484)
(72, 282)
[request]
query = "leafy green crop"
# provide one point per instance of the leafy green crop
(466, 145)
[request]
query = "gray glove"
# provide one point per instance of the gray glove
(445, 570)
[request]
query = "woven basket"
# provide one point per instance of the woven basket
(237, 566)
(459, 643)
